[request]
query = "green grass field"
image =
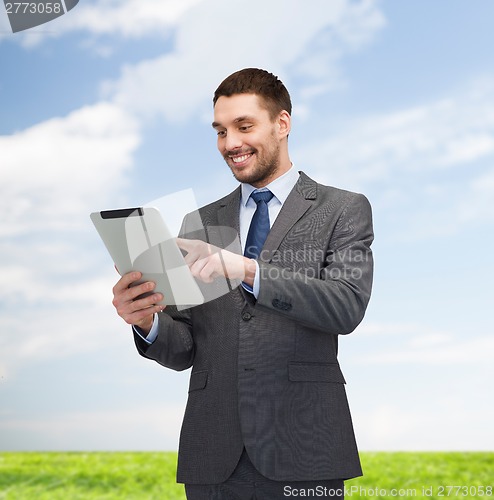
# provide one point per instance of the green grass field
(110, 476)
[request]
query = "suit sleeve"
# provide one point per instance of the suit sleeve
(335, 298)
(173, 346)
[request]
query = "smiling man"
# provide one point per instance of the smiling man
(252, 134)
(267, 409)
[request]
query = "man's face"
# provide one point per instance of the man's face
(248, 139)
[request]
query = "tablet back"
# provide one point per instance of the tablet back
(138, 239)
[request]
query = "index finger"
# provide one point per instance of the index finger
(124, 282)
(186, 245)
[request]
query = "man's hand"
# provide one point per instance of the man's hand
(138, 312)
(206, 262)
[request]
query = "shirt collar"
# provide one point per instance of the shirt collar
(280, 187)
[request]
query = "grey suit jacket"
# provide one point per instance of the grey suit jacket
(265, 373)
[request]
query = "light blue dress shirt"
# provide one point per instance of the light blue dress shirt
(280, 188)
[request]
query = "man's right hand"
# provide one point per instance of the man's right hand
(138, 312)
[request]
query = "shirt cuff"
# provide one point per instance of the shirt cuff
(254, 289)
(153, 333)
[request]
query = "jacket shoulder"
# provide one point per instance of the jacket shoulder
(230, 198)
(315, 190)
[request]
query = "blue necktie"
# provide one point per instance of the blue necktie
(259, 226)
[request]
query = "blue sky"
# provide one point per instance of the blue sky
(110, 106)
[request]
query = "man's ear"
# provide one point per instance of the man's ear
(284, 124)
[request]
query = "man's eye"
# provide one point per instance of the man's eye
(245, 128)
(221, 133)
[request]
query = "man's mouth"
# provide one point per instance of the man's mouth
(240, 159)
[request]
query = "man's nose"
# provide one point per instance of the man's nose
(233, 141)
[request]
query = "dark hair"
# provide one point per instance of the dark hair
(274, 94)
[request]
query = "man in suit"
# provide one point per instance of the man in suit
(267, 415)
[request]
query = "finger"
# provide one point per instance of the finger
(197, 246)
(145, 302)
(203, 269)
(207, 275)
(128, 309)
(122, 298)
(126, 280)
(191, 258)
(196, 266)
(133, 292)
(136, 317)
(186, 245)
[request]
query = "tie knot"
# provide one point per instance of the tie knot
(259, 196)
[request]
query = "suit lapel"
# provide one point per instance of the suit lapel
(228, 211)
(296, 205)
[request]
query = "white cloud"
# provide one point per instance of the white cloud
(55, 171)
(129, 18)
(448, 133)
(55, 289)
(416, 387)
(476, 206)
(227, 29)
(126, 18)
(42, 296)
(49, 315)
(473, 351)
(467, 148)
(427, 169)
(286, 36)
(381, 344)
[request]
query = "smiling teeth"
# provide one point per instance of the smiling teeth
(239, 159)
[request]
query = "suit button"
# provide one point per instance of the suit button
(246, 315)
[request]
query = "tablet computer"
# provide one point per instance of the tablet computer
(139, 240)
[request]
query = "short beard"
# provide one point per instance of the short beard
(264, 170)
(259, 176)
